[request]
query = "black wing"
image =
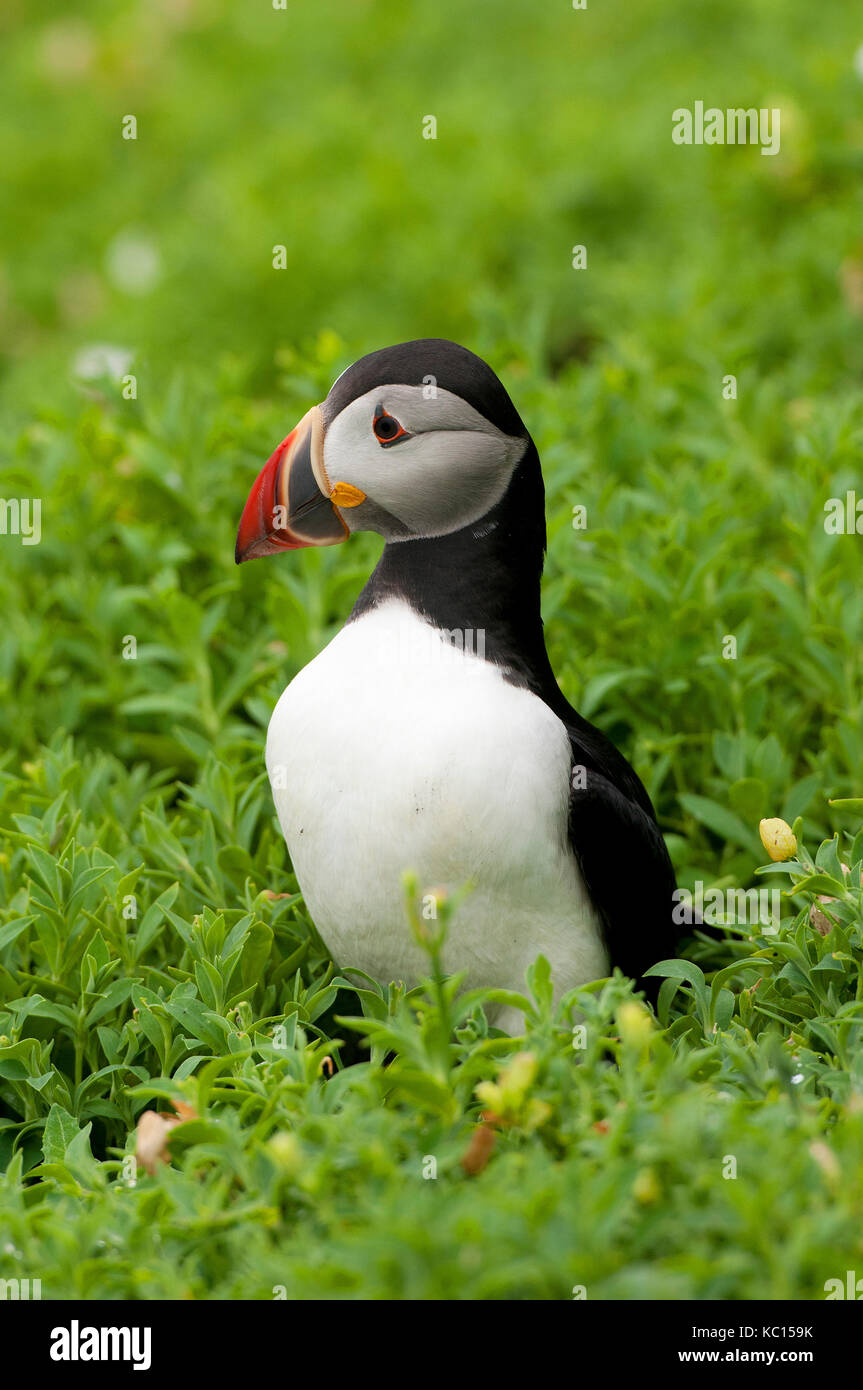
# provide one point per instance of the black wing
(621, 853)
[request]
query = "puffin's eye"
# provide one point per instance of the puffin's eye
(387, 429)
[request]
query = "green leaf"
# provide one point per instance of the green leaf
(679, 970)
(539, 982)
(13, 930)
(60, 1130)
(722, 821)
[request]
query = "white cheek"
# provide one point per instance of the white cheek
(453, 470)
(443, 481)
(433, 483)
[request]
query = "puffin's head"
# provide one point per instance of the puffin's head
(412, 441)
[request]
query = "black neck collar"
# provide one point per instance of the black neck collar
(483, 578)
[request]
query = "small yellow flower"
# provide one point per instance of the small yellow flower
(646, 1189)
(635, 1024)
(491, 1096)
(508, 1093)
(778, 839)
(285, 1151)
(518, 1075)
(507, 1100)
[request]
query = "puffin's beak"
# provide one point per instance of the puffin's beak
(292, 503)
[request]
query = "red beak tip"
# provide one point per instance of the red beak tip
(255, 550)
(259, 533)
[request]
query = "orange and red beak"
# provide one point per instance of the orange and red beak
(292, 503)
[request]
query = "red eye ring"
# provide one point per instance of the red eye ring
(387, 429)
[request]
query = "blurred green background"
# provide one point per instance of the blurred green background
(303, 127)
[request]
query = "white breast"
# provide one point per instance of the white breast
(394, 750)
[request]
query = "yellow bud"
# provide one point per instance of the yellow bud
(517, 1076)
(507, 1097)
(634, 1024)
(646, 1189)
(286, 1151)
(778, 839)
(489, 1094)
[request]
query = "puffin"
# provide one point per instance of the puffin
(430, 736)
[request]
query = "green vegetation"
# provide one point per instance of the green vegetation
(138, 786)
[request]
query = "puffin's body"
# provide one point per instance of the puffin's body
(430, 735)
(441, 765)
